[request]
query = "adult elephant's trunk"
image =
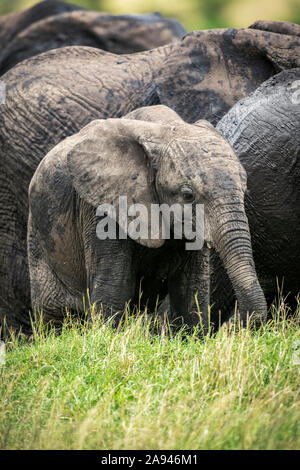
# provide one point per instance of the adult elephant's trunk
(230, 235)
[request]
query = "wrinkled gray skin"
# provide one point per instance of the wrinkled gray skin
(163, 161)
(264, 130)
(54, 24)
(54, 95)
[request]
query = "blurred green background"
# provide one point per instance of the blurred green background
(193, 14)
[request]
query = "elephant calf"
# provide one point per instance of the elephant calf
(151, 156)
(53, 24)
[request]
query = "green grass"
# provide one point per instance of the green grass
(100, 388)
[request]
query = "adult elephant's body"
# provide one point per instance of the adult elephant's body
(54, 95)
(264, 130)
(54, 24)
(15, 22)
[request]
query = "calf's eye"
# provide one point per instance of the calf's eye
(187, 194)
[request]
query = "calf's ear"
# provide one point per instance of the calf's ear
(112, 158)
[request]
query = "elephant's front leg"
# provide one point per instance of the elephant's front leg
(111, 277)
(189, 290)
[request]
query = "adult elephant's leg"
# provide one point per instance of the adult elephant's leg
(14, 275)
(111, 276)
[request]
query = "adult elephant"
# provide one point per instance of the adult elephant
(167, 161)
(55, 94)
(264, 130)
(54, 24)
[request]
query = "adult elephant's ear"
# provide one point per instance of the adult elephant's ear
(281, 49)
(112, 158)
(280, 27)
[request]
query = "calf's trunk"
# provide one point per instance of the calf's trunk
(231, 237)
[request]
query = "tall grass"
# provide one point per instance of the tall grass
(132, 388)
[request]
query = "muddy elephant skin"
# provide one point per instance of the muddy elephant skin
(53, 24)
(52, 96)
(264, 130)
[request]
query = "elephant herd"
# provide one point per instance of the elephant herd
(97, 107)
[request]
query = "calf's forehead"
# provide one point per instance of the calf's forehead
(199, 145)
